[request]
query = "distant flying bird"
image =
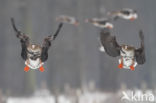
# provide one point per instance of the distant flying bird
(130, 56)
(128, 14)
(68, 19)
(100, 22)
(33, 54)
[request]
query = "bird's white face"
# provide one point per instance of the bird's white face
(131, 17)
(109, 25)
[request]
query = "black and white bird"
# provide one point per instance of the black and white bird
(100, 22)
(130, 56)
(34, 55)
(126, 13)
(68, 20)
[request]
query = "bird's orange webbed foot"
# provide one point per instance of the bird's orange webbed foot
(41, 69)
(132, 68)
(26, 69)
(120, 66)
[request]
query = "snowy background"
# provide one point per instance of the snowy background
(74, 59)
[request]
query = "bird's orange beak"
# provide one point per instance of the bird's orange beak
(109, 27)
(132, 18)
(76, 23)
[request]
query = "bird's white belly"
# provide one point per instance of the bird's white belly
(34, 64)
(127, 63)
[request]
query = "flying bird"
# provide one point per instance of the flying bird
(126, 13)
(34, 55)
(68, 20)
(130, 56)
(100, 22)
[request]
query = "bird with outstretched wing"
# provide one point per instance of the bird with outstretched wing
(34, 55)
(130, 56)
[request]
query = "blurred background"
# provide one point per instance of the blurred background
(74, 58)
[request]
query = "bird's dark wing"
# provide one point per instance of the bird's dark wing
(102, 22)
(115, 15)
(109, 43)
(125, 12)
(47, 43)
(140, 52)
(24, 39)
